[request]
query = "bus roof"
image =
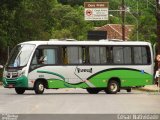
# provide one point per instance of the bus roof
(104, 42)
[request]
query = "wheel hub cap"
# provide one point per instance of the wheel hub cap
(113, 87)
(41, 87)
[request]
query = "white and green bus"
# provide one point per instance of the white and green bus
(91, 65)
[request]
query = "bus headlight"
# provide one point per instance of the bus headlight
(21, 73)
(11, 75)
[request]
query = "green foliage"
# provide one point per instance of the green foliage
(69, 23)
(33, 18)
(143, 14)
(23, 20)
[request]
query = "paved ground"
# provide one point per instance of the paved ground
(78, 101)
(150, 88)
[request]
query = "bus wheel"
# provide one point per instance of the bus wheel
(19, 90)
(128, 89)
(39, 87)
(113, 87)
(93, 90)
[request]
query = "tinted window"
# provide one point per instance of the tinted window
(94, 55)
(118, 55)
(137, 55)
(97, 55)
(74, 55)
(127, 55)
(45, 56)
(141, 55)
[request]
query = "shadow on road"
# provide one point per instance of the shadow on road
(71, 93)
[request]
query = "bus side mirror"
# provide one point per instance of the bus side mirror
(1, 66)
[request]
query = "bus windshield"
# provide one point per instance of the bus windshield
(20, 55)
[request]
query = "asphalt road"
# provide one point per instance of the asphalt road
(78, 101)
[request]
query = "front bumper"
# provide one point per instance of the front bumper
(15, 82)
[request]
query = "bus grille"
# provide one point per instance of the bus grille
(13, 82)
(12, 75)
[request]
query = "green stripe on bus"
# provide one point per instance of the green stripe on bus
(128, 78)
(55, 83)
(52, 73)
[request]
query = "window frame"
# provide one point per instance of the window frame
(149, 60)
(148, 52)
(59, 61)
(66, 55)
(71, 64)
(105, 46)
(57, 54)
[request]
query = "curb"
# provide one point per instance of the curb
(145, 89)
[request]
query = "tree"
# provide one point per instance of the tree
(146, 18)
(7, 12)
(70, 22)
(23, 20)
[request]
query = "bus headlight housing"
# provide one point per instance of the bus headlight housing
(21, 73)
(13, 74)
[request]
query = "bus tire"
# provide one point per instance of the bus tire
(128, 89)
(39, 87)
(113, 87)
(92, 90)
(19, 90)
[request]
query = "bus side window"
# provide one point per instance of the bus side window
(94, 56)
(142, 55)
(44, 56)
(74, 54)
(37, 56)
(127, 55)
(118, 55)
(103, 55)
(99, 55)
(137, 55)
(40, 56)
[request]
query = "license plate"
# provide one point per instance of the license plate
(10, 86)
